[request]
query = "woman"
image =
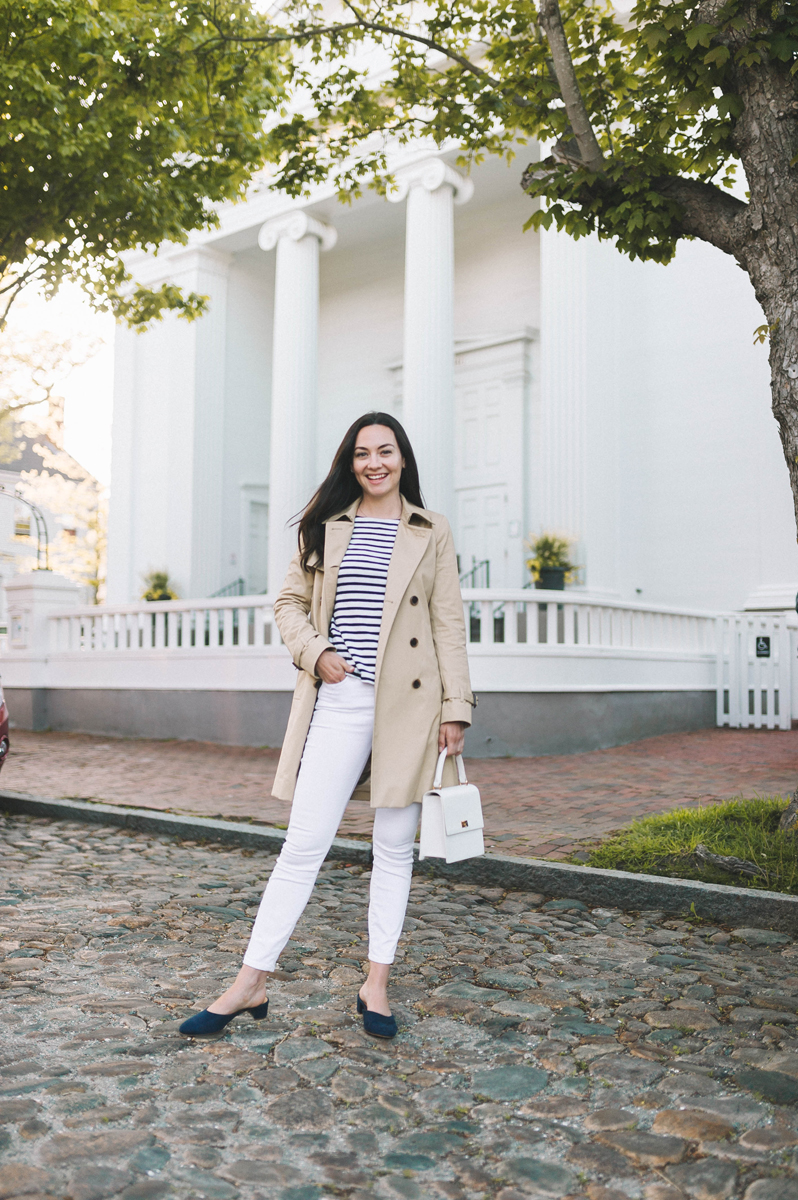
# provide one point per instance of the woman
(372, 615)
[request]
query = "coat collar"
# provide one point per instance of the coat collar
(412, 538)
(411, 515)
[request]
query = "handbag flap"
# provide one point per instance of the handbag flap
(462, 810)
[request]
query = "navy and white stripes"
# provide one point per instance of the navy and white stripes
(360, 594)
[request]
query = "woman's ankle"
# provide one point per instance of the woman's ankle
(236, 997)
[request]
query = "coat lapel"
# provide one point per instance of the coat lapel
(412, 539)
(337, 533)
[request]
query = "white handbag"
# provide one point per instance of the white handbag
(451, 818)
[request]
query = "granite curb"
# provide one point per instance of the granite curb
(617, 889)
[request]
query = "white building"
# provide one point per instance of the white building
(547, 385)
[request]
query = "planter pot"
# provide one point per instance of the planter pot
(552, 579)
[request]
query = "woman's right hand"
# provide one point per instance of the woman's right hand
(331, 668)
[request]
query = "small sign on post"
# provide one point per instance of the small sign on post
(763, 647)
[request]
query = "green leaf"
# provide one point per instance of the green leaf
(122, 126)
(717, 56)
(700, 35)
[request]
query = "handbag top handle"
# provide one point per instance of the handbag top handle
(461, 772)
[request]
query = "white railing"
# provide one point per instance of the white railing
(518, 641)
(756, 676)
(237, 624)
(562, 619)
(539, 641)
(493, 618)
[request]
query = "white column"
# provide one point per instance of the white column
(122, 579)
(292, 457)
(208, 274)
(168, 465)
(564, 385)
(431, 188)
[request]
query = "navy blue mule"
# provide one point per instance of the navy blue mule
(376, 1023)
(206, 1023)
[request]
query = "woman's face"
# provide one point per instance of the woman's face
(377, 463)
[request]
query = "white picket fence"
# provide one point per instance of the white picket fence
(757, 674)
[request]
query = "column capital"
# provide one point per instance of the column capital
(431, 174)
(296, 226)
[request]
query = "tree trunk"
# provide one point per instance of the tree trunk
(766, 138)
(770, 259)
(784, 382)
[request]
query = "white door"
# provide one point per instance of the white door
(490, 383)
(482, 539)
(257, 546)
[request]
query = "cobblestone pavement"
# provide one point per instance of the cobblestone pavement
(545, 1050)
(546, 807)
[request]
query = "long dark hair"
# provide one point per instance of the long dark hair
(341, 488)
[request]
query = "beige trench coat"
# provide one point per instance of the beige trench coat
(422, 667)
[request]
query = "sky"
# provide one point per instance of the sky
(88, 390)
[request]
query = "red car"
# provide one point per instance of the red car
(4, 742)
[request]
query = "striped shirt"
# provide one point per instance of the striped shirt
(360, 595)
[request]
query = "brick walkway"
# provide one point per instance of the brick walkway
(545, 807)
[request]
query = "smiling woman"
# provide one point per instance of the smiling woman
(372, 615)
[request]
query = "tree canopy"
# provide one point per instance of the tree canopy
(123, 124)
(644, 109)
(649, 116)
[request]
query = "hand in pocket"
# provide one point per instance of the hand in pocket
(331, 668)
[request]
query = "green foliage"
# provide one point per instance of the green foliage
(158, 587)
(746, 829)
(763, 333)
(549, 550)
(122, 123)
(659, 89)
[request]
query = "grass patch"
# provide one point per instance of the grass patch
(747, 829)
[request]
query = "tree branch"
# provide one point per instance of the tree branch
(310, 32)
(709, 213)
(589, 149)
(376, 27)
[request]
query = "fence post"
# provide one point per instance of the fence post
(793, 667)
(785, 675)
(31, 597)
(721, 716)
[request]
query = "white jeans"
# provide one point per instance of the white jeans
(336, 751)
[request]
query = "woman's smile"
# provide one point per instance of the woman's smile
(377, 464)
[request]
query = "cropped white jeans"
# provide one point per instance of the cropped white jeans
(336, 751)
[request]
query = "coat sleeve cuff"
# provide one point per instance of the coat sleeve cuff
(456, 710)
(312, 652)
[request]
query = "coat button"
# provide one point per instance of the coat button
(414, 599)
(414, 641)
(416, 683)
